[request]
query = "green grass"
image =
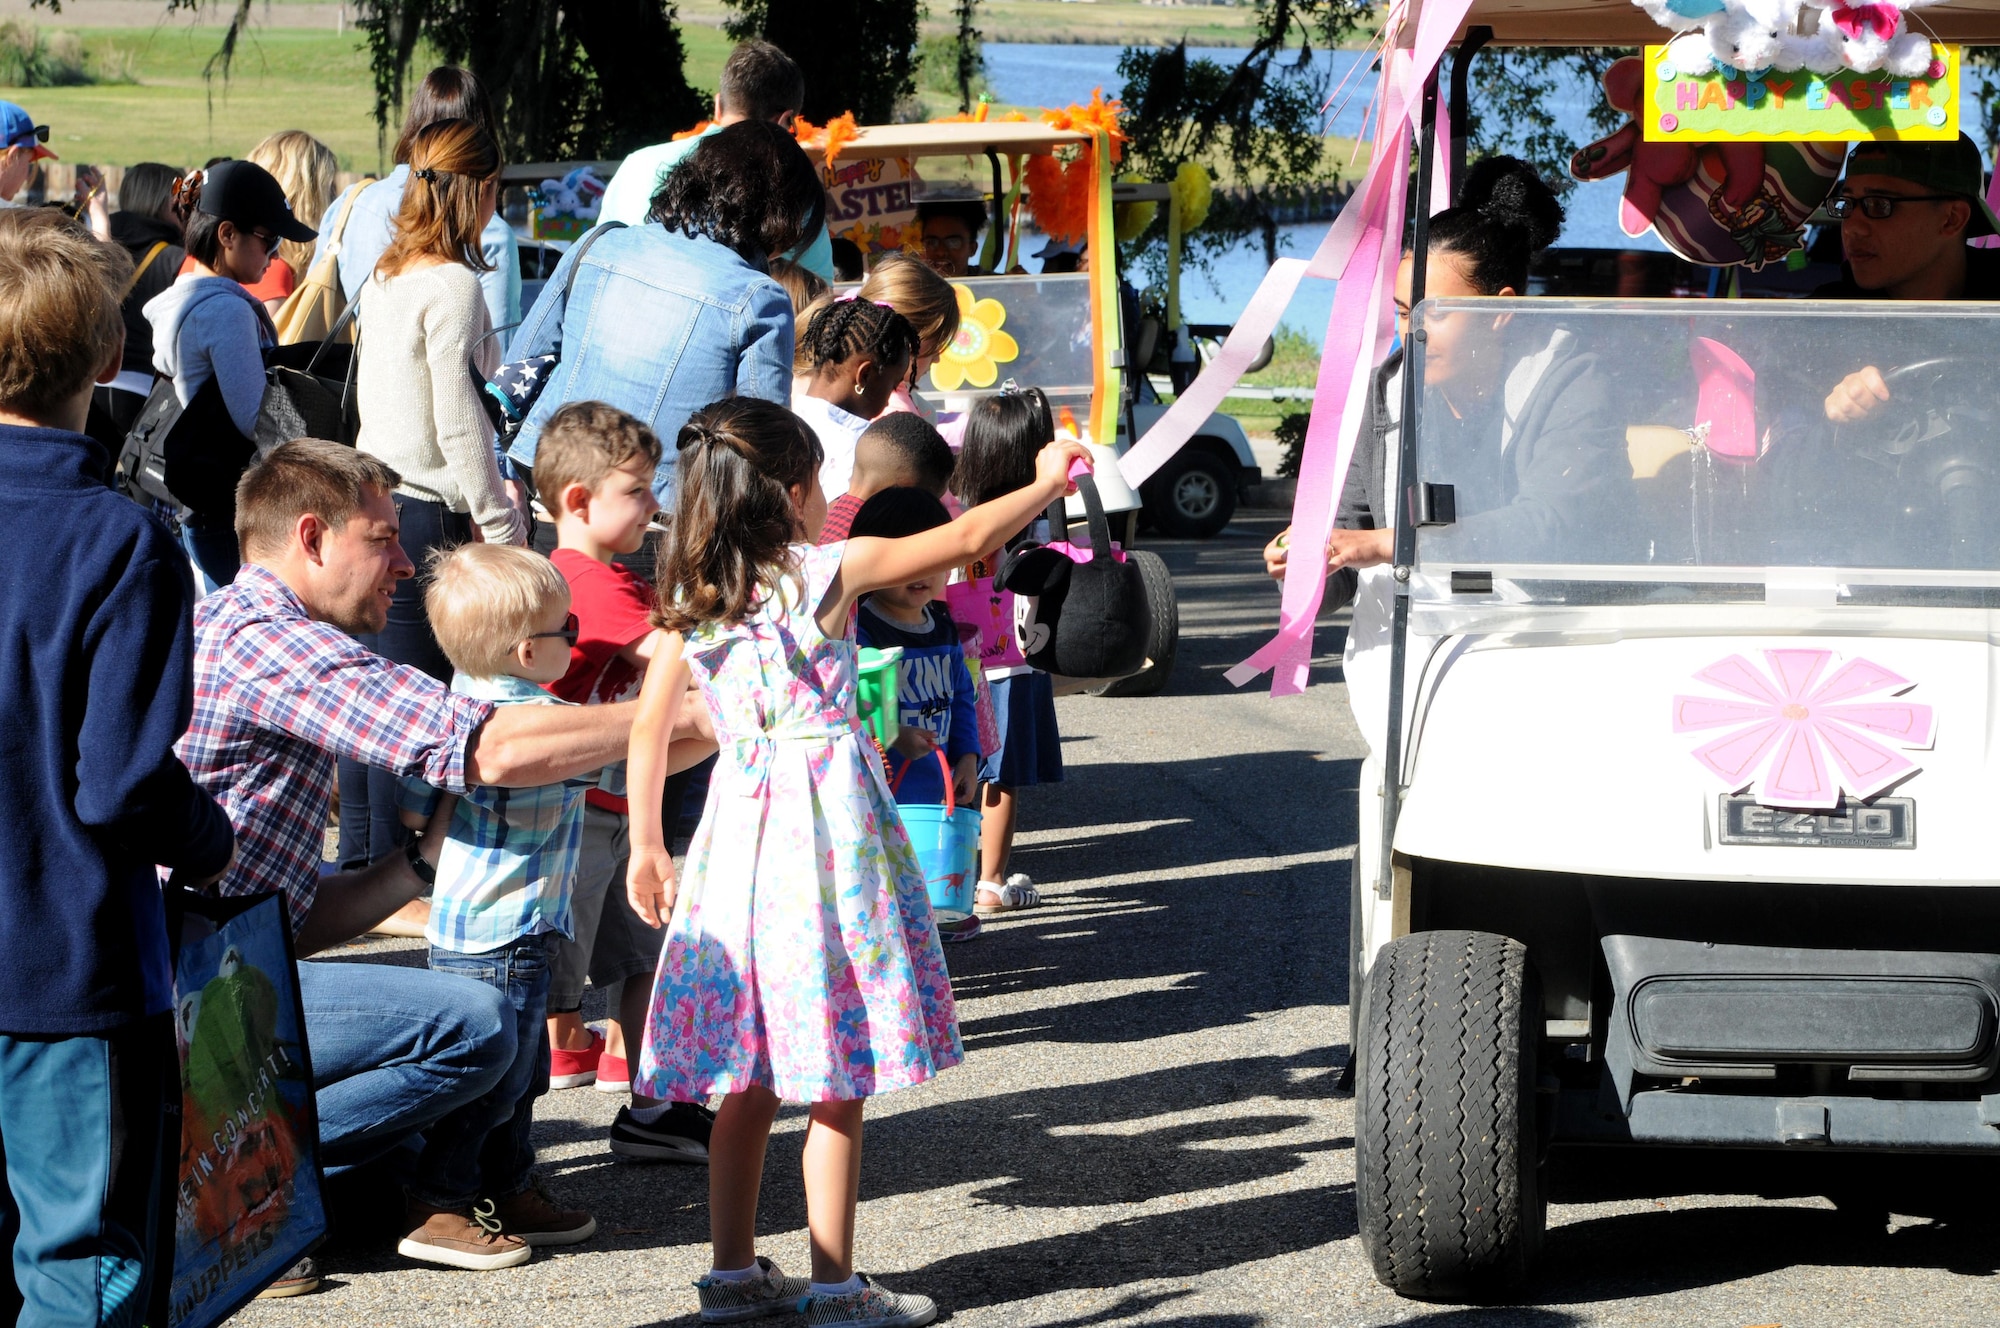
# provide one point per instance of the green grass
(283, 78)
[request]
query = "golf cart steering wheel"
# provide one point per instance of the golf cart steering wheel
(1940, 433)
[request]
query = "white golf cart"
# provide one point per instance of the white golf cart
(1693, 754)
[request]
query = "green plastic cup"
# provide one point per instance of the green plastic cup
(876, 687)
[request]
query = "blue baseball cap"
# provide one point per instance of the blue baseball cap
(19, 130)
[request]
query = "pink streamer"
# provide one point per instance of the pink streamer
(1363, 243)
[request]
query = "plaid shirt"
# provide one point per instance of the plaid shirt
(508, 865)
(276, 697)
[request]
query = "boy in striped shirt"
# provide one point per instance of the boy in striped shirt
(502, 897)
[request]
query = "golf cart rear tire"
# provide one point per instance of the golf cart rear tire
(1447, 1177)
(1163, 635)
(1193, 495)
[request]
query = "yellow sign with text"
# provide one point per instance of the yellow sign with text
(1799, 106)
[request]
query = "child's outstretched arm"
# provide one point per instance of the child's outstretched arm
(870, 564)
(649, 879)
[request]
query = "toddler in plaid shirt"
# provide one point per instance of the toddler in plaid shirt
(502, 897)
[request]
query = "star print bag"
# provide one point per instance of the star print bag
(518, 384)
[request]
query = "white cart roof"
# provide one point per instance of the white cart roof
(1621, 23)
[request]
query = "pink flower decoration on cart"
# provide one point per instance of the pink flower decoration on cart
(1809, 738)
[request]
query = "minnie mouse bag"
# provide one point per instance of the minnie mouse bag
(1079, 612)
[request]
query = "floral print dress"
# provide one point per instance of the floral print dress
(802, 955)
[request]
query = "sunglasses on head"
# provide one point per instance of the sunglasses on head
(40, 134)
(569, 631)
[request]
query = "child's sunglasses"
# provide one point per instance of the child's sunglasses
(569, 632)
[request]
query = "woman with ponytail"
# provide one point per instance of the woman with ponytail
(425, 333)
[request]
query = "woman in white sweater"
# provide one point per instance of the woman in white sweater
(424, 327)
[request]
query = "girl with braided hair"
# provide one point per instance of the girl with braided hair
(858, 352)
(802, 961)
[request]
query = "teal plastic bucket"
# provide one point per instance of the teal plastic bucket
(947, 844)
(946, 839)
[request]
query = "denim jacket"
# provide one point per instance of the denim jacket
(659, 324)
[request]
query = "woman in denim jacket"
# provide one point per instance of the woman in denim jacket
(664, 318)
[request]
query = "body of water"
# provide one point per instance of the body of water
(1037, 75)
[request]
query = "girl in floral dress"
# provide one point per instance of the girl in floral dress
(802, 963)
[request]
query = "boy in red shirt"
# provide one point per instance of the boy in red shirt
(593, 472)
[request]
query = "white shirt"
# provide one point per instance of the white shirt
(838, 432)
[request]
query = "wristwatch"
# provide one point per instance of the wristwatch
(425, 872)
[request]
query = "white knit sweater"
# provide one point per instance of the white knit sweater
(420, 409)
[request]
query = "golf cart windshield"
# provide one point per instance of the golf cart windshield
(1586, 452)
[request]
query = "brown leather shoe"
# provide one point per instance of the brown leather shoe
(533, 1216)
(460, 1239)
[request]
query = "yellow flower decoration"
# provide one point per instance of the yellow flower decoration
(1130, 220)
(975, 355)
(1194, 191)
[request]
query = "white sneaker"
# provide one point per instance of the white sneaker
(769, 1292)
(873, 1306)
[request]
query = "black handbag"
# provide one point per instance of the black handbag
(1081, 613)
(191, 457)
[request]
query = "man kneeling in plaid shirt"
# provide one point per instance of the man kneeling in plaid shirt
(281, 687)
(505, 876)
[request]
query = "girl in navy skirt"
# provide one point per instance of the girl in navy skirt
(1003, 434)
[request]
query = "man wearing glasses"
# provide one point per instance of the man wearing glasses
(951, 235)
(1905, 212)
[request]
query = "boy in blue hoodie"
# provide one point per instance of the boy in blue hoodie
(97, 653)
(934, 689)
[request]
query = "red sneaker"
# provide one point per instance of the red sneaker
(613, 1074)
(574, 1069)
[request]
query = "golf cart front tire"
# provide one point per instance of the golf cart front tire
(1447, 1168)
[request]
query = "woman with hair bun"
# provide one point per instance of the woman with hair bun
(1553, 450)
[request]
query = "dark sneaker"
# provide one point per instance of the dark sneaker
(770, 1292)
(679, 1135)
(458, 1239)
(534, 1216)
(873, 1306)
(301, 1278)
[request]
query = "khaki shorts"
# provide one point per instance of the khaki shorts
(611, 943)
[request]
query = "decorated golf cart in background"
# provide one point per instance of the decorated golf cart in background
(1672, 827)
(1065, 332)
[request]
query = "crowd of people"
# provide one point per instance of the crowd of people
(509, 649)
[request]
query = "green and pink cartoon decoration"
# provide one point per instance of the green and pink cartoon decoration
(1739, 124)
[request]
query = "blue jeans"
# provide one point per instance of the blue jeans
(483, 1150)
(84, 1131)
(369, 827)
(214, 551)
(393, 1050)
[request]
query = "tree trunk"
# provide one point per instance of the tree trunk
(634, 50)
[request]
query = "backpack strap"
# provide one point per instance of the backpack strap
(159, 247)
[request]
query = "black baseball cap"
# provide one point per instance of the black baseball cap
(1942, 168)
(245, 193)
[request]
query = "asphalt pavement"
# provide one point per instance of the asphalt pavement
(1147, 1129)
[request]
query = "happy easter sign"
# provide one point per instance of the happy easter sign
(1729, 106)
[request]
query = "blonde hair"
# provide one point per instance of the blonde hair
(925, 299)
(485, 599)
(585, 441)
(59, 295)
(304, 168)
(450, 163)
(908, 286)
